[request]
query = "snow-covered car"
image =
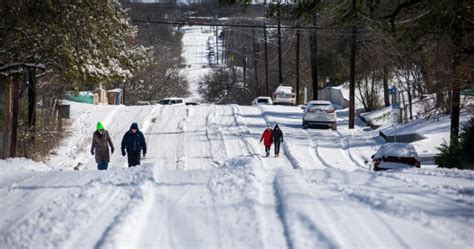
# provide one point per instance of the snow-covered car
(395, 156)
(192, 103)
(172, 101)
(319, 112)
(262, 101)
(284, 95)
(141, 102)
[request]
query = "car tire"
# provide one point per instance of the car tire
(334, 127)
(305, 125)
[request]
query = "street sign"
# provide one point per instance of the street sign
(392, 90)
(395, 105)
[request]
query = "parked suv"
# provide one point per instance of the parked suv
(172, 101)
(284, 95)
(319, 112)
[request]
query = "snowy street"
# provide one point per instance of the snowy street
(202, 80)
(205, 184)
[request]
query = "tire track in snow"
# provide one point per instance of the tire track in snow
(268, 194)
(68, 215)
(384, 211)
(296, 141)
(37, 201)
(215, 138)
(300, 231)
(334, 149)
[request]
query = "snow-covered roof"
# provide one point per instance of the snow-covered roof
(116, 90)
(319, 102)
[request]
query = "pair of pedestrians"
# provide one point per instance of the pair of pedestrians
(270, 137)
(133, 143)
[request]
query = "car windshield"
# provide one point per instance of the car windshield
(262, 101)
(165, 101)
(285, 90)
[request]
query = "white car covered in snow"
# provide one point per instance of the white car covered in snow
(284, 95)
(395, 156)
(262, 101)
(319, 112)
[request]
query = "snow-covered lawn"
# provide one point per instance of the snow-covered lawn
(205, 184)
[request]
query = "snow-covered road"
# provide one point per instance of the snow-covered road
(205, 184)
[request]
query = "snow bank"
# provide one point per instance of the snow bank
(21, 164)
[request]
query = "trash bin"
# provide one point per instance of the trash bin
(64, 109)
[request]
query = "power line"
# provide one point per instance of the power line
(186, 23)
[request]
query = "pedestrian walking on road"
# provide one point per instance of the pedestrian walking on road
(277, 139)
(100, 147)
(133, 143)
(267, 139)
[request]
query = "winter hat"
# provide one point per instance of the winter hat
(276, 127)
(100, 126)
(134, 126)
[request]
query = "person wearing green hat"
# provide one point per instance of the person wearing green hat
(100, 147)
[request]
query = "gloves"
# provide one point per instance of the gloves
(144, 154)
(92, 152)
(123, 153)
(112, 150)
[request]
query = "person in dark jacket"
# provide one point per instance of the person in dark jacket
(277, 139)
(133, 143)
(100, 147)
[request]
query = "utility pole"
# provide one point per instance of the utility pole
(267, 87)
(297, 67)
(15, 112)
(245, 66)
(313, 39)
(217, 42)
(456, 39)
(31, 98)
(222, 46)
(255, 62)
(7, 121)
(280, 73)
(352, 68)
(385, 86)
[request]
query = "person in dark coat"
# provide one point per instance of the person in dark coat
(100, 147)
(133, 143)
(277, 139)
(267, 139)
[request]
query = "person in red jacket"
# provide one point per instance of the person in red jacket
(267, 138)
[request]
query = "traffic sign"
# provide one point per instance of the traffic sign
(392, 90)
(395, 105)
